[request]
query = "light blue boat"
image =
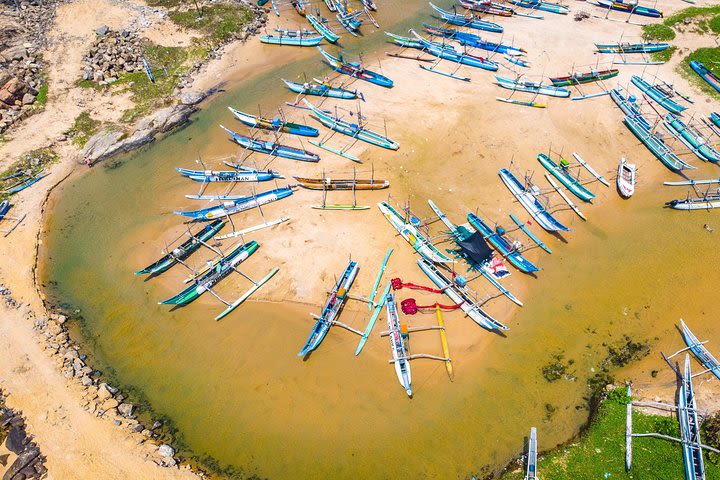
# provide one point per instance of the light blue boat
(237, 205)
(448, 52)
(629, 106)
(530, 202)
(468, 21)
(658, 94)
(658, 148)
(692, 138)
(320, 25)
(505, 248)
(563, 175)
(545, 6)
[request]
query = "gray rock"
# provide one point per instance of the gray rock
(28, 99)
(101, 145)
(102, 31)
(166, 451)
(191, 98)
(125, 409)
(22, 461)
(86, 381)
(16, 440)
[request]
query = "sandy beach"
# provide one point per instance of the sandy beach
(453, 137)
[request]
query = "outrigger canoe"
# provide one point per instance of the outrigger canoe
(297, 39)
(658, 94)
(321, 26)
(236, 205)
(411, 234)
(356, 70)
(632, 8)
(698, 349)
(241, 174)
(276, 124)
(544, 6)
(221, 269)
(333, 305)
(341, 184)
(655, 144)
(468, 20)
(532, 87)
(690, 427)
(629, 106)
(579, 78)
(321, 90)
(272, 148)
(472, 40)
(706, 74)
(397, 345)
(184, 250)
(504, 248)
(530, 202)
(693, 138)
(561, 173)
(448, 52)
(645, 47)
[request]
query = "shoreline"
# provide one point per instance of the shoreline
(209, 73)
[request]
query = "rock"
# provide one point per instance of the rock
(156, 425)
(102, 31)
(101, 145)
(61, 319)
(125, 409)
(103, 392)
(16, 440)
(109, 404)
(166, 451)
(136, 428)
(22, 461)
(191, 98)
(15, 53)
(86, 381)
(28, 99)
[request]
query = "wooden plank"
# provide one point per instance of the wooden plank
(443, 339)
(565, 197)
(373, 318)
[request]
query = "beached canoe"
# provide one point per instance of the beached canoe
(410, 233)
(690, 427)
(333, 305)
(296, 39)
(184, 250)
(397, 345)
(221, 269)
(276, 124)
(351, 129)
(625, 47)
(715, 119)
(488, 8)
(626, 178)
(657, 93)
(321, 90)
(350, 21)
(468, 21)
(355, 70)
(530, 202)
(4, 208)
(459, 294)
(532, 87)
(632, 8)
(300, 6)
(272, 148)
(321, 26)
(579, 78)
(237, 205)
(531, 468)
(472, 40)
(707, 202)
(448, 52)
(341, 184)
(692, 138)
(706, 74)
(504, 248)
(700, 351)
(656, 145)
(544, 6)
(24, 184)
(561, 172)
(242, 174)
(627, 103)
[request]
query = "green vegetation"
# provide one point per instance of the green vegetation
(714, 24)
(710, 433)
(690, 14)
(710, 57)
(219, 23)
(657, 32)
(600, 452)
(41, 98)
(663, 56)
(557, 368)
(83, 128)
(28, 165)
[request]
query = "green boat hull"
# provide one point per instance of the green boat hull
(571, 183)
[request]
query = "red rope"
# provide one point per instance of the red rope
(397, 284)
(409, 307)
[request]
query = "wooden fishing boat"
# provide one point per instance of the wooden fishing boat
(690, 427)
(320, 89)
(468, 21)
(411, 234)
(351, 129)
(297, 39)
(19, 187)
(300, 6)
(448, 52)
(184, 250)
(242, 174)
(522, 226)
(657, 93)
(272, 148)
(518, 61)
(460, 295)
(221, 269)
(578, 78)
(472, 40)
(629, 106)
(532, 87)
(489, 8)
(625, 47)
(706, 202)
(333, 305)
(715, 119)
(521, 102)
(148, 70)
(349, 19)
(656, 145)
(529, 201)
(4, 208)
(369, 4)
(544, 6)
(504, 248)
(275, 124)
(531, 470)
(626, 178)
(560, 171)
(693, 138)
(706, 74)
(345, 184)
(397, 345)
(237, 205)
(631, 8)
(330, 4)
(698, 349)
(709, 181)
(321, 26)
(355, 70)
(473, 248)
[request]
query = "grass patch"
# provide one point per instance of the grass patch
(691, 13)
(710, 57)
(42, 96)
(91, 84)
(26, 167)
(663, 56)
(601, 450)
(219, 23)
(82, 129)
(714, 24)
(657, 32)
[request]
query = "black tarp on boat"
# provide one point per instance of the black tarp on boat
(475, 249)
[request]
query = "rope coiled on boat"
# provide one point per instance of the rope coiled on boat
(410, 307)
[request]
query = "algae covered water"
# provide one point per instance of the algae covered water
(240, 397)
